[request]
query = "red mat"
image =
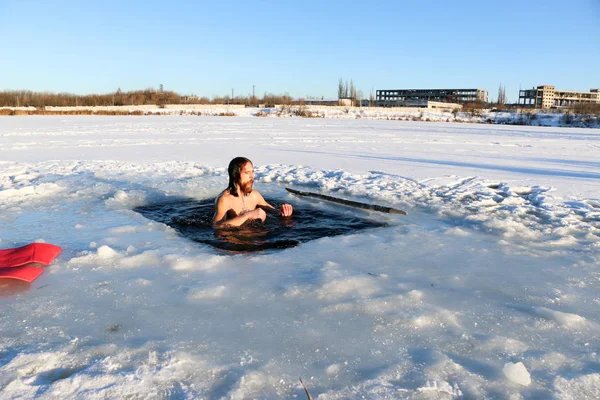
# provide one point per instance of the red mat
(15, 263)
(25, 273)
(42, 253)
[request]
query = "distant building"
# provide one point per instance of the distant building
(346, 102)
(422, 97)
(546, 96)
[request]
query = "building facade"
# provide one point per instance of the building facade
(421, 97)
(547, 96)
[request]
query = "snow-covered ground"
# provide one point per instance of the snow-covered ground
(489, 288)
(524, 117)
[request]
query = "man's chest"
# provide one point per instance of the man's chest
(241, 204)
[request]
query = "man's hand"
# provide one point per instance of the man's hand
(257, 213)
(285, 210)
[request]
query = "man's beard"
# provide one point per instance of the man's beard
(246, 187)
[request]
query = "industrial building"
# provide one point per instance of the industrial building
(546, 96)
(422, 97)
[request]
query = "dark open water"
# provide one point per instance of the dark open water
(192, 219)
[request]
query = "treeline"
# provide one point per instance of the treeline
(579, 109)
(25, 98)
(587, 109)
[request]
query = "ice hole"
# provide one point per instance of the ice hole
(192, 219)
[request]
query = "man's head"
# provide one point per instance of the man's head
(241, 173)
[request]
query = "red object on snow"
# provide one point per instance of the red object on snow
(14, 263)
(25, 273)
(42, 253)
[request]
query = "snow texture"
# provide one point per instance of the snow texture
(517, 373)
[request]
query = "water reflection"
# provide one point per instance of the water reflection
(10, 287)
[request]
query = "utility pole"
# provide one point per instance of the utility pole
(252, 92)
(232, 95)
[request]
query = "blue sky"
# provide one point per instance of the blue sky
(300, 48)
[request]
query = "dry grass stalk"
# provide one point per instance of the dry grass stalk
(306, 390)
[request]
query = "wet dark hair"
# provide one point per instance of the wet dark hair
(235, 172)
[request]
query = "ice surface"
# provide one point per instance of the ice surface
(496, 263)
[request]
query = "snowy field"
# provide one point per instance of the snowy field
(488, 289)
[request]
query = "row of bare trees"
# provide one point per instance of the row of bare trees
(501, 94)
(348, 91)
(26, 98)
(587, 109)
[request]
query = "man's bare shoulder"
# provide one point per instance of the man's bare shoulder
(224, 197)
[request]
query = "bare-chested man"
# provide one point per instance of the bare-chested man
(239, 203)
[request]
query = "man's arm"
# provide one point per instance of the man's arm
(285, 210)
(221, 212)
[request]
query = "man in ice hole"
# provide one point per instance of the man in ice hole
(239, 203)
